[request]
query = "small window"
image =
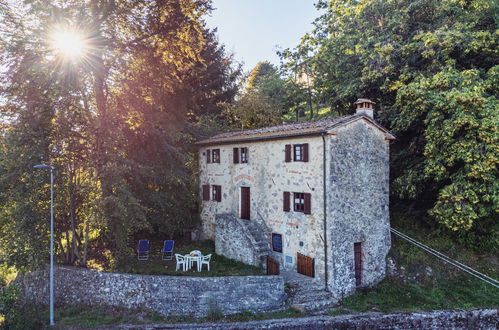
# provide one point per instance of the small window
(277, 242)
(244, 155)
(216, 193)
(300, 152)
(240, 155)
(215, 156)
(299, 202)
(302, 202)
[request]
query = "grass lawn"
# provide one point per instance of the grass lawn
(219, 265)
(446, 288)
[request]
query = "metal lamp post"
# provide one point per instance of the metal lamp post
(51, 240)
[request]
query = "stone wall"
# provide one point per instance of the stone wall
(268, 176)
(167, 295)
(357, 201)
(485, 319)
(233, 241)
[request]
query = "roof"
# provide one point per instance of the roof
(363, 101)
(317, 127)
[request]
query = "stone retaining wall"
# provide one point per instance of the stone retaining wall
(483, 319)
(167, 295)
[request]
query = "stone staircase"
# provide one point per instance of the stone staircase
(260, 243)
(307, 295)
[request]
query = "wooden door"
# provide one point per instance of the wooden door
(272, 266)
(305, 265)
(245, 203)
(357, 249)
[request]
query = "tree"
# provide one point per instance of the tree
(116, 125)
(429, 65)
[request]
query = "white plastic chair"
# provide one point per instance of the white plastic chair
(205, 260)
(180, 261)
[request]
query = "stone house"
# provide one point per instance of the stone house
(313, 196)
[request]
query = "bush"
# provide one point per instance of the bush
(18, 316)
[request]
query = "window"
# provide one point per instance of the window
(301, 202)
(206, 192)
(208, 156)
(277, 242)
(216, 193)
(244, 155)
(240, 155)
(300, 152)
(215, 155)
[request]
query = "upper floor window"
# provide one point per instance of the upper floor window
(215, 155)
(240, 155)
(298, 151)
(244, 155)
(301, 202)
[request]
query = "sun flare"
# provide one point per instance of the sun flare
(68, 43)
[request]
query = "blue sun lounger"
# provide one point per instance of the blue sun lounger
(143, 250)
(168, 249)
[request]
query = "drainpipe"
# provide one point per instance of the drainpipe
(325, 208)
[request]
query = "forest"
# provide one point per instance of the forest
(119, 123)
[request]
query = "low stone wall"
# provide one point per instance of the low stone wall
(167, 295)
(484, 319)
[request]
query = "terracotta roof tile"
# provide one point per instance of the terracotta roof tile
(284, 131)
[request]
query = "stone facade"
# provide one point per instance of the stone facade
(166, 295)
(347, 177)
(357, 204)
(268, 176)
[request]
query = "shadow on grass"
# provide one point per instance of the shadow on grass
(219, 265)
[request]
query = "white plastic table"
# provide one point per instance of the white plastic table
(190, 258)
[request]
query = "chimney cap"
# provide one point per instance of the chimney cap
(363, 101)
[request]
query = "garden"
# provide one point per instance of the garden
(155, 265)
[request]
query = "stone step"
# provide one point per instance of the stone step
(315, 306)
(305, 287)
(315, 295)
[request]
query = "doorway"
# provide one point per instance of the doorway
(357, 248)
(245, 203)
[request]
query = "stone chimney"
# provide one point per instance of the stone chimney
(365, 107)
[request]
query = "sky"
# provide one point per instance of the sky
(254, 29)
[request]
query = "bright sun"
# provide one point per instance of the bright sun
(68, 43)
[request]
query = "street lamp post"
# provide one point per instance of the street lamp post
(51, 240)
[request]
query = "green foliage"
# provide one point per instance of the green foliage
(446, 288)
(267, 97)
(13, 315)
(431, 66)
(461, 154)
(215, 313)
(117, 124)
(253, 110)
